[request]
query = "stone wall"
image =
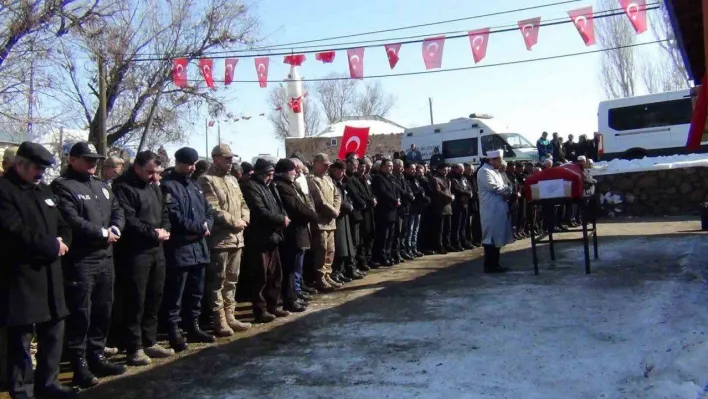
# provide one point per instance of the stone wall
(385, 144)
(655, 193)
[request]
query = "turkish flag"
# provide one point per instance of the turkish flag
(356, 62)
(211, 123)
(637, 12)
(478, 41)
(392, 54)
(179, 72)
(295, 104)
(355, 139)
(698, 121)
(529, 29)
(327, 57)
(583, 20)
(262, 70)
(207, 67)
(433, 51)
(229, 69)
(294, 60)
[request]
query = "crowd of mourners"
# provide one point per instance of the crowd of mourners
(96, 263)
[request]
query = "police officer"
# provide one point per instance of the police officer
(96, 220)
(33, 238)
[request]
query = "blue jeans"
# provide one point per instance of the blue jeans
(297, 274)
(413, 222)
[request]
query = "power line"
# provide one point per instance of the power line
(405, 40)
(553, 57)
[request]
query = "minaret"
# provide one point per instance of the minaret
(294, 91)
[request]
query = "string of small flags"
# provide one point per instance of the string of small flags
(432, 48)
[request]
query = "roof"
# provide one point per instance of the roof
(687, 20)
(376, 125)
(8, 138)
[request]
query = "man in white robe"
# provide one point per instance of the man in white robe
(494, 193)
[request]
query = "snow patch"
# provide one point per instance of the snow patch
(650, 163)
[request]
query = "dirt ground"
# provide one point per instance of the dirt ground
(438, 327)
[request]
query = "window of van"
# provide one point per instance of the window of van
(643, 116)
(494, 142)
(460, 148)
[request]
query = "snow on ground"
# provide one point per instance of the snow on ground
(635, 328)
(650, 163)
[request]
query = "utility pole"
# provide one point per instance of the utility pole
(206, 137)
(102, 139)
(430, 105)
(61, 148)
(218, 132)
(30, 102)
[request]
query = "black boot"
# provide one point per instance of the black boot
(83, 378)
(177, 341)
(197, 335)
(102, 367)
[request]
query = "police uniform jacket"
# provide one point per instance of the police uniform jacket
(145, 211)
(90, 208)
(190, 217)
(31, 279)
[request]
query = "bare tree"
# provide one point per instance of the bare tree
(374, 101)
(668, 72)
(278, 116)
(338, 96)
(139, 44)
(617, 68)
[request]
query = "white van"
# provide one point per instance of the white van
(651, 125)
(468, 140)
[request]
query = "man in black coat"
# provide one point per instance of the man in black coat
(140, 259)
(360, 199)
(96, 220)
(462, 192)
(400, 250)
(296, 236)
(262, 278)
(442, 210)
(367, 229)
(344, 267)
(187, 253)
(388, 198)
(33, 238)
(414, 175)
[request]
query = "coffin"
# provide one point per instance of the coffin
(565, 181)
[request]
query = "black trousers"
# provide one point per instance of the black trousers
(289, 264)
(183, 286)
(425, 231)
(267, 281)
(142, 287)
(476, 228)
(459, 226)
(50, 340)
(514, 215)
(441, 235)
(367, 235)
(491, 257)
(360, 258)
(384, 239)
(88, 288)
(401, 232)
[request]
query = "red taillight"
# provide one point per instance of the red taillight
(600, 146)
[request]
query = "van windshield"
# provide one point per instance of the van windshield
(516, 140)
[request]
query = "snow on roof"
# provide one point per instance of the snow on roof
(650, 163)
(376, 125)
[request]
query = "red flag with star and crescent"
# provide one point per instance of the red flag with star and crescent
(584, 23)
(179, 72)
(636, 11)
(356, 62)
(262, 70)
(229, 70)
(529, 30)
(354, 139)
(294, 59)
(392, 54)
(207, 68)
(295, 105)
(327, 57)
(433, 52)
(478, 41)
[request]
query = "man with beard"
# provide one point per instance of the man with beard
(296, 241)
(33, 239)
(262, 279)
(462, 192)
(344, 268)
(226, 242)
(494, 211)
(387, 195)
(187, 252)
(442, 210)
(140, 258)
(400, 252)
(414, 174)
(96, 219)
(356, 189)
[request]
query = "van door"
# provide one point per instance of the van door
(492, 142)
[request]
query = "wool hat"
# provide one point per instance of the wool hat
(187, 155)
(263, 166)
(284, 165)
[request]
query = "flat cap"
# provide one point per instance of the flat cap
(187, 156)
(263, 166)
(322, 158)
(222, 150)
(36, 153)
(284, 165)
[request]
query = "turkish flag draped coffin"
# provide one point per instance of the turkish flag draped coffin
(583, 20)
(354, 139)
(568, 172)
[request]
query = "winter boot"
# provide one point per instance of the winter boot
(177, 341)
(323, 285)
(157, 351)
(331, 281)
(138, 358)
(197, 335)
(234, 323)
(219, 325)
(83, 378)
(102, 367)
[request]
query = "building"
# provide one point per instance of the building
(384, 138)
(7, 141)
